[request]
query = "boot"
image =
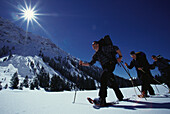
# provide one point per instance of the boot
(102, 101)
(143, 95)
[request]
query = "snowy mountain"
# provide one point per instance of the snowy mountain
(31, 55)
(25, 66)
(26, 44)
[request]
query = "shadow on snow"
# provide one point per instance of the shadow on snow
(144, 105)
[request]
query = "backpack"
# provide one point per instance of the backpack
(141, 55)
(164, 61)
(107, 42)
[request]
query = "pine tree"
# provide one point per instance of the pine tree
(10, 55)
(0, 86)
(54, 83)
(44, 79)
(36, 82)
(21, 86)
(32, 86)
(6, 86)
(14, 81)
(57, 84)
(25, 82)
(32, 65)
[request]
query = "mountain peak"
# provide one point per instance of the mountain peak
(26, 44)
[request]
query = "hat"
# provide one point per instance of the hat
(132, 53)
(153, 56)
(95, 42)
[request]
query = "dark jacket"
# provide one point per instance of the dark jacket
(140, 62)
(105, 55)
(162, 64)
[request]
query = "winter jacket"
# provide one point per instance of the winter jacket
(162, 64)
(105, 55)
(140, 62)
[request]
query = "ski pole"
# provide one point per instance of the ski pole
(129, 76)
(75, 96)
(157, 88)
(155, 79)
(77, 87)
(132, 81)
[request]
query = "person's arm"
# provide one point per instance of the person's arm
(130, 66)
(145, 66)
(94, 59)
(153, 66)
(83, 64)
(167, 60)
(119, 59)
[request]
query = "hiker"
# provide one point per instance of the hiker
(143, 71)
(164, 68)
(106, 55)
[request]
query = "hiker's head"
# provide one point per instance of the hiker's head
(95, 45)
(133, 55)
(154, 58)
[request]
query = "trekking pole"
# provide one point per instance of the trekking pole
(75, 96)
(129, 76)
(155, 80)
(157, 88)
(132, 81)
(77, 87)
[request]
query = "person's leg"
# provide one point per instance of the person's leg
(143, 89)
(143, 85)
(147, 86)
(113, 84)
(103, 88)
(167, 78)
(150, 89)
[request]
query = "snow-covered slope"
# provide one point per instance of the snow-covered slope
(24, 66)
(40, 102)
(26, 44)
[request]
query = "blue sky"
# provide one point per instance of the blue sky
(139, 25)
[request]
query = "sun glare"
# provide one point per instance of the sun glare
(29, 15)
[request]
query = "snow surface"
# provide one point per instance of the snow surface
(41, 102)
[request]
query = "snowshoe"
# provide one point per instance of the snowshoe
(97, 103)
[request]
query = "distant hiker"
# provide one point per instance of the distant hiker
(106, 55)
(164, 68)
(143, 71)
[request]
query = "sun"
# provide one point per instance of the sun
(29, 13)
